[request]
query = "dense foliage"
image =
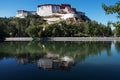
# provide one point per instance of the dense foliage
(114, 9)
(3, 32)
(77, 29)
(16, 27)
(36, 26)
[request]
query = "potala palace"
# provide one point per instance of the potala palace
(58, 11)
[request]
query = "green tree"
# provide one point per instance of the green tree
(117, 28)
(2, 32)
(56, 29)
(3, 28)
(34, 31)
(11, 30)
(114, 9)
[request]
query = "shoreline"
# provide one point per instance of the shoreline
(18, 39)
(63, 39)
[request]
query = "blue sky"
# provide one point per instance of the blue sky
(92, 8)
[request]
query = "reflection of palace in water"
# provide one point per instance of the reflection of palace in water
(50, 61)
(54, 55)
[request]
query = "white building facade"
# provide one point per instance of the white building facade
(23, 13)
(51, 9)
(48, 9)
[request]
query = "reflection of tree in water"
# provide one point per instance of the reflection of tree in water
(117, 46)
(52, 55)
(79, 50)
(72, 49)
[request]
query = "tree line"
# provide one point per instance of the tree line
(36, 26)
(16, 27)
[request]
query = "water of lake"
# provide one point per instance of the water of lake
(60, 60)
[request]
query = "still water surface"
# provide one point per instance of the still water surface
(59, 60)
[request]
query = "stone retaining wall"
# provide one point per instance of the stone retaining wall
(63, 39)
(78, 39)
(19, 39)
